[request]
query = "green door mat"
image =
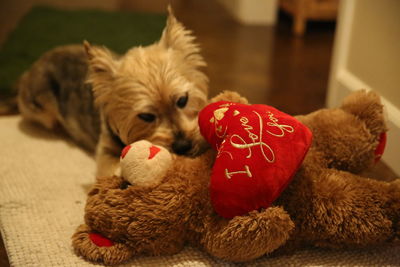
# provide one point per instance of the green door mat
(44, 28)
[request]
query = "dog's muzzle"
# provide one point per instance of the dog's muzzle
(181, 145)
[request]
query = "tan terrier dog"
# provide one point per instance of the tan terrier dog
(104, 101)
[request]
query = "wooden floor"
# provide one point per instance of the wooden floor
(266, 64)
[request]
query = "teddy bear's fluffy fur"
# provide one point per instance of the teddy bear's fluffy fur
(326, 205)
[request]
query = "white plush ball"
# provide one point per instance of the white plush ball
(144, 164)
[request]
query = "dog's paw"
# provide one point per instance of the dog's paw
(229, 96)
(97, 248)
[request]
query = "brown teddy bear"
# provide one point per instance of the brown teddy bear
(162, 202)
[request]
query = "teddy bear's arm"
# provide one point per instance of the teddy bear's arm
(248, 237)
(94, 247)
(229, 96)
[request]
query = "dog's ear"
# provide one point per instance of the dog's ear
(100, 59)
(175, 36)
(102, 68)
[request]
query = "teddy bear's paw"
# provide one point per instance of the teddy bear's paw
(97, 248)
(250, 236)
(229, 96)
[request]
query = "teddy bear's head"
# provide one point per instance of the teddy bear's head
(147, 206)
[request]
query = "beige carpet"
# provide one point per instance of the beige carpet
(43, 180)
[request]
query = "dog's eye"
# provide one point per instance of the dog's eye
(182, 101)
(147, 117)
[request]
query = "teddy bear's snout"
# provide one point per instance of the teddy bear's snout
(144, 164)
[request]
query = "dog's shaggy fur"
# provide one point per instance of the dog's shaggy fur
(104, 101)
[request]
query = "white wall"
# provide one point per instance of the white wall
(367, 55)
(254, 12)
(374, 52)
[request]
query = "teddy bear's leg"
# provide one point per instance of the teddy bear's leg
(350, 138)
(347, 210)
(367, 107)
(247, 237)
(96, 248)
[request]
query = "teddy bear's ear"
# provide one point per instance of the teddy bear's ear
(144, 164)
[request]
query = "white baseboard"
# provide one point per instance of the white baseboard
(347, 83)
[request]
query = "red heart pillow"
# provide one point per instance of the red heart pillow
(259, 150)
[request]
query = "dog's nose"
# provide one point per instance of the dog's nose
(181, 146)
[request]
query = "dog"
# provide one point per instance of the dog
(105, 101)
